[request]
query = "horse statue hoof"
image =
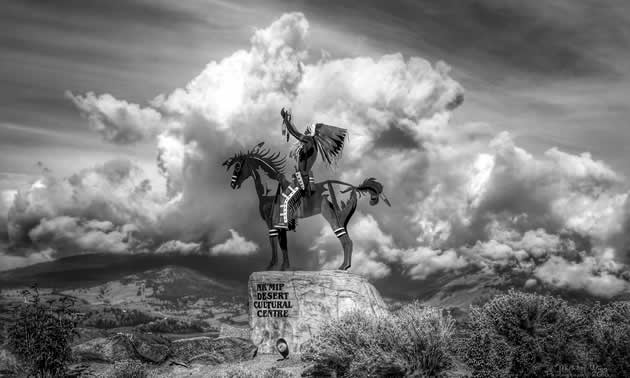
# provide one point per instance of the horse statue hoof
(344, 267)
(285, 267)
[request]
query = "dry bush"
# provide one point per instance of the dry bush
(412, 341)
(610, 335)
(522, 334)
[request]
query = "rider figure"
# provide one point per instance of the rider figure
(327, 140)
(305, 152)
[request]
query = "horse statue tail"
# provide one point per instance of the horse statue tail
(346, 210)
(374, 189)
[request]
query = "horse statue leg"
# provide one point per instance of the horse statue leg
(274, 234)
(332, 216)
(273, 239)
(285, 252)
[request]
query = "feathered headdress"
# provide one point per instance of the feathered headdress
(329, 141)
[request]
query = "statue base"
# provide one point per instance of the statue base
(293, 305)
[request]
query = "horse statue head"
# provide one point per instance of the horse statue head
(246, 164)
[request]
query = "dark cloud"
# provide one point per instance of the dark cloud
(396, 137)
(139, 12)
(560, 38)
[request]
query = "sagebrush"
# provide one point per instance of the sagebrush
(531, 335)
(412, 341)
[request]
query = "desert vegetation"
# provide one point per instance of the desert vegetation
(128, 369)
(514, 334)
(172, 325)
(114, 317)
(610, 337)
(243, 372)
(40, 334)
(530, 335)
(413, 341)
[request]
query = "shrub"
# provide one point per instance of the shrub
(522, 334)
(610, 336)
(41, 333)
(412, 341)
(128, 369)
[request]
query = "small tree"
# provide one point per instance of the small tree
(41, 333)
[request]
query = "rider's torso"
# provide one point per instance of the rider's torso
(307, 156)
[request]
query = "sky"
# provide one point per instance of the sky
(497, 127)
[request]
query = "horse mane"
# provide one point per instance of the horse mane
(271, 163)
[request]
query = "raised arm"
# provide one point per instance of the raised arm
(286, 121)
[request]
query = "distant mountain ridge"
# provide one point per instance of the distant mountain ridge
(173, 277)
(87, 270)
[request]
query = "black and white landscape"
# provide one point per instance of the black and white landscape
(498, 128)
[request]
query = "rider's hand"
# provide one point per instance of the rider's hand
(286, 114)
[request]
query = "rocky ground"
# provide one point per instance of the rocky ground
(292, 366)
(161, 317)
(170, 322)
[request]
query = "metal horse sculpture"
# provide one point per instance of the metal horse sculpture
(257, 160)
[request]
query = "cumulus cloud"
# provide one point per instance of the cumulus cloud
(108, 208)
(114, 194)
(71, 234)
(179, 247)
(368, 240)
(587, 275)
(117, 121)
(374, 250)
(234, 245)
(462, 196)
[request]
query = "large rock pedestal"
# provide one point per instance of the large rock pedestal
(293, 305)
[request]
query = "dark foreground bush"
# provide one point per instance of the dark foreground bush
(41, 333)
(528, 335)
(412, 341)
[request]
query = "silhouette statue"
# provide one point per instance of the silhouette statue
(302, 197)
